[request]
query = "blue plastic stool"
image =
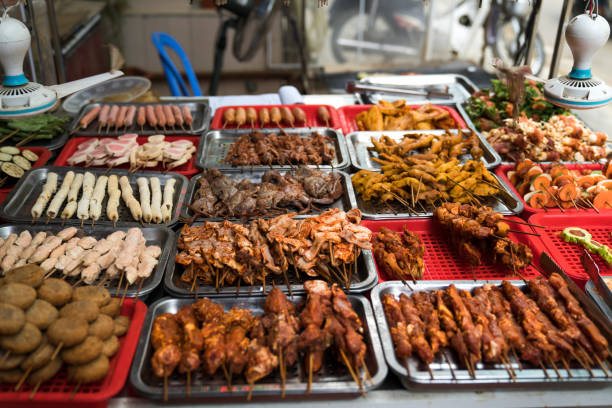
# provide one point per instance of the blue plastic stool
(175, 80)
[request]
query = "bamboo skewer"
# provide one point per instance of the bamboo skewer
(352, 372)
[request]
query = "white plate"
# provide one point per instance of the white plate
(129, 87)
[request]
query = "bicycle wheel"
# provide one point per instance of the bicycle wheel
(510, 37)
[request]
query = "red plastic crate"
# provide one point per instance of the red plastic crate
(443, 261)
(188, 169)
(309, 110)
(568, 255)
(502, 173)
(349, 112)
(58, 392)
(43, 158)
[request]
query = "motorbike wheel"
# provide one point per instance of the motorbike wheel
(506, 47)
(345, 26)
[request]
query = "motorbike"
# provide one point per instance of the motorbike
(384, 30)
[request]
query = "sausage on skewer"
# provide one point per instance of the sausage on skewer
(103, 117)
(151, 118)
(251, 115)
(264, 117)
(323, 115)
(229, 117)
(178, 116)
(161, 117)
(129, 116)
(170, 121)
(142, 117)
(299, 114)
(112, 117)
(241, 117)
(121, 116)
(89, 117)
(187, 116)
(287, 116)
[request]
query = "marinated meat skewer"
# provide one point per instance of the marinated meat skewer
(166, 338)
(192, 343)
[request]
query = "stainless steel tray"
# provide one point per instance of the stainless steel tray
(215, 144)
(18, 205)
(508, 204)
(365, 279)
(459, 86)
(200, 111)
(361, 158)
(164, 237)
(333, 380)
(604, 302)
(486, 374)
(344, 203)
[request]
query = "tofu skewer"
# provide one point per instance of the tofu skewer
(166, 209)
(156, 198)
(114, 194)
(145, 198)
(88, 185)
(95, 206)
(128, 197)
(61, 195)
(47, 192)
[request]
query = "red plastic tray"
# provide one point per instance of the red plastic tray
(188, 169)
(309, 110)
(568, 255)
(502, 173)
(349, 112)
(43, 158)
(443, 261)
(57, 393)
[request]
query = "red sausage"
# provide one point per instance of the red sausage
(159, 113)
(178, 116)
(187, 115)
(142, 116)
(89, 117)
(121, 116)
(103, 117)
(112, 116)
(151, 118)
(129, 116)
(169, 115)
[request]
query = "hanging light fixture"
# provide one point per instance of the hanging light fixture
(585, 35)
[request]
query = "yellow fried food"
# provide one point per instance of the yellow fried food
(398, 116)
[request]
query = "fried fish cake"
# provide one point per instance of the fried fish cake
(84, 352)
(30, 274)
(26, 340)
(18, 294)
(98, 294)
(85, 308)
(12, 319)
(55, 291)
(41, 314)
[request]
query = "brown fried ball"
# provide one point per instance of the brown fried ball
(83, 352)
(103, 327)
(38, 357)
(18, 294)
(122, 324)
(23, 342)
(110, 346)
(12, 361)
(90, 372)
(11, 376)
(55, 291)
(113, 308)
(30, 274)
(98, 294)
(46, 372)
(41, 314)
(67, 331)
(85, 308)
(12, 319)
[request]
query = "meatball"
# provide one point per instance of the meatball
(98, 294)
(67, 331)
(26, 340)
(122, 323)
(31, 275)
(41, 314)
(38, 357)
(12, 319)
(83, 352)
(103, 327)
(90, 372)
(113, 308)
(55, 291)
(46, 372)
(18, 294)
(86, 309)
(110, 346)
(12, 361)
